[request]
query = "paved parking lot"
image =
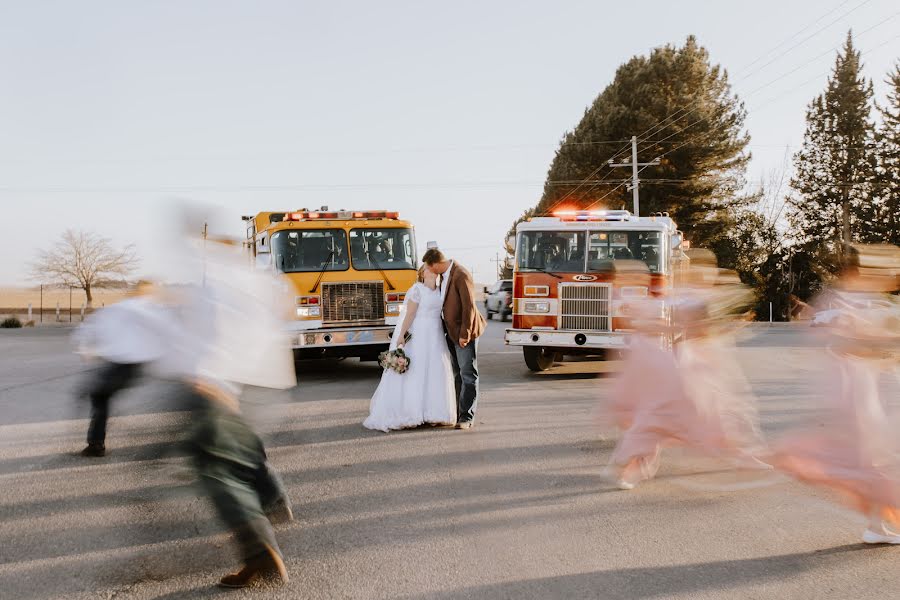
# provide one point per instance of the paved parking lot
(515, 508)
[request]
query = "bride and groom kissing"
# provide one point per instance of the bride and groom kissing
(444, 323)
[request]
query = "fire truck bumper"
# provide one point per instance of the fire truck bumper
(566, 339)
(346, 336)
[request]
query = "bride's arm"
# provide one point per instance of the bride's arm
(411, 308)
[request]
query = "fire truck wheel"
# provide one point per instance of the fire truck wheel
(539, 359)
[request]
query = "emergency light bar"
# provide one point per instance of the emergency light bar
(593, 215)
(342, 215)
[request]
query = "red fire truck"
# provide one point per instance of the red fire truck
(569, 298)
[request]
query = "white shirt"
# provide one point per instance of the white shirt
(445, 281)
(131, 331)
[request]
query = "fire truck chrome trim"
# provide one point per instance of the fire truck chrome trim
(522, 306)
(341, 337)
(585, 306)
(566, 339)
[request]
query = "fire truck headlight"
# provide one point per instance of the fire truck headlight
(537, 307)
(392, 309)
(306, 312)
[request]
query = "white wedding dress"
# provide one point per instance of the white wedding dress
(426, 393)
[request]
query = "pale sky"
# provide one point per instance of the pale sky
(448, 112)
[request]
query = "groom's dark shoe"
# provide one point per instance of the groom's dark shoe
(464, 425)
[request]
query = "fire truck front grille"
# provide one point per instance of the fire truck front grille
(352, 302)
(586, 307)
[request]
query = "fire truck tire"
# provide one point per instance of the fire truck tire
(538, 359)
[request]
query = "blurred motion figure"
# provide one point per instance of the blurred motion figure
(851, 447)
(680, 384)
(124, 337)
(231, 336)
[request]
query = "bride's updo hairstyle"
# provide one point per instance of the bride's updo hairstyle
(420, 277)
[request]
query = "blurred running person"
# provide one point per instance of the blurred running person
(231, 336)
(697, 396)
(123, 338)
(851, 447)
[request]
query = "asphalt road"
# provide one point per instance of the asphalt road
(515, 508)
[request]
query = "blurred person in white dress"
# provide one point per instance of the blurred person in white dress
(426, 393)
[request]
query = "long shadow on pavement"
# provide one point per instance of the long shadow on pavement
(659, 582)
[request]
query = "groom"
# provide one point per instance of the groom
(463, 324)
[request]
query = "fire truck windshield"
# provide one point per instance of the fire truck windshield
(578, 251)
(387, 248)
(551, 251)
(310, 250)
(605, 247)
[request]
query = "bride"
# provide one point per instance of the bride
(426, 392)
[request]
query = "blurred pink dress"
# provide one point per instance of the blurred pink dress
(650, 407)
(696, 396)
(855, 450)
(727, 419)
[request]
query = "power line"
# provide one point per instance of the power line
(662, 125)
(306, 187)
(659, 127)
(323, 152)
(697, 137)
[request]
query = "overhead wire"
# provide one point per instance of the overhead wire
(686, 110)
(661, 126)
(699, 136)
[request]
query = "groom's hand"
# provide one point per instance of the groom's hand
(463, 343)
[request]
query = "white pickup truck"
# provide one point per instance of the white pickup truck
(498, 299)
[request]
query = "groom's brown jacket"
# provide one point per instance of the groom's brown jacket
(462, 318)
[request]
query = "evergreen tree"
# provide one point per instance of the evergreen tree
(833, 171)
(703, 160)
(886, 188)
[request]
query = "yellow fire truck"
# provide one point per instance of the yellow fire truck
(349, 272)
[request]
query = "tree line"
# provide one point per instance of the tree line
(785, 236)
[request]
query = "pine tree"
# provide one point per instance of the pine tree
(703, 160)
(886, 217)
(833, 170)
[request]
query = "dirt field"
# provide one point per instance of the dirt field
(14, 301)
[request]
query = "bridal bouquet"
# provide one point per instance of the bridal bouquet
(396, 360)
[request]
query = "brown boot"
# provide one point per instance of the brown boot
(268, 563)
(94, 450)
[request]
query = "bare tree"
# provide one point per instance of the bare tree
(84, 260)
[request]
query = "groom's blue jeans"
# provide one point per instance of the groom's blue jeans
(465, 370)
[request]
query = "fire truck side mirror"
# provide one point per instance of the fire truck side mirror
(510, 263)
(677, 240)
(511, 244)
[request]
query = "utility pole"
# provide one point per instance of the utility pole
(496, 260)
(634, 164)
